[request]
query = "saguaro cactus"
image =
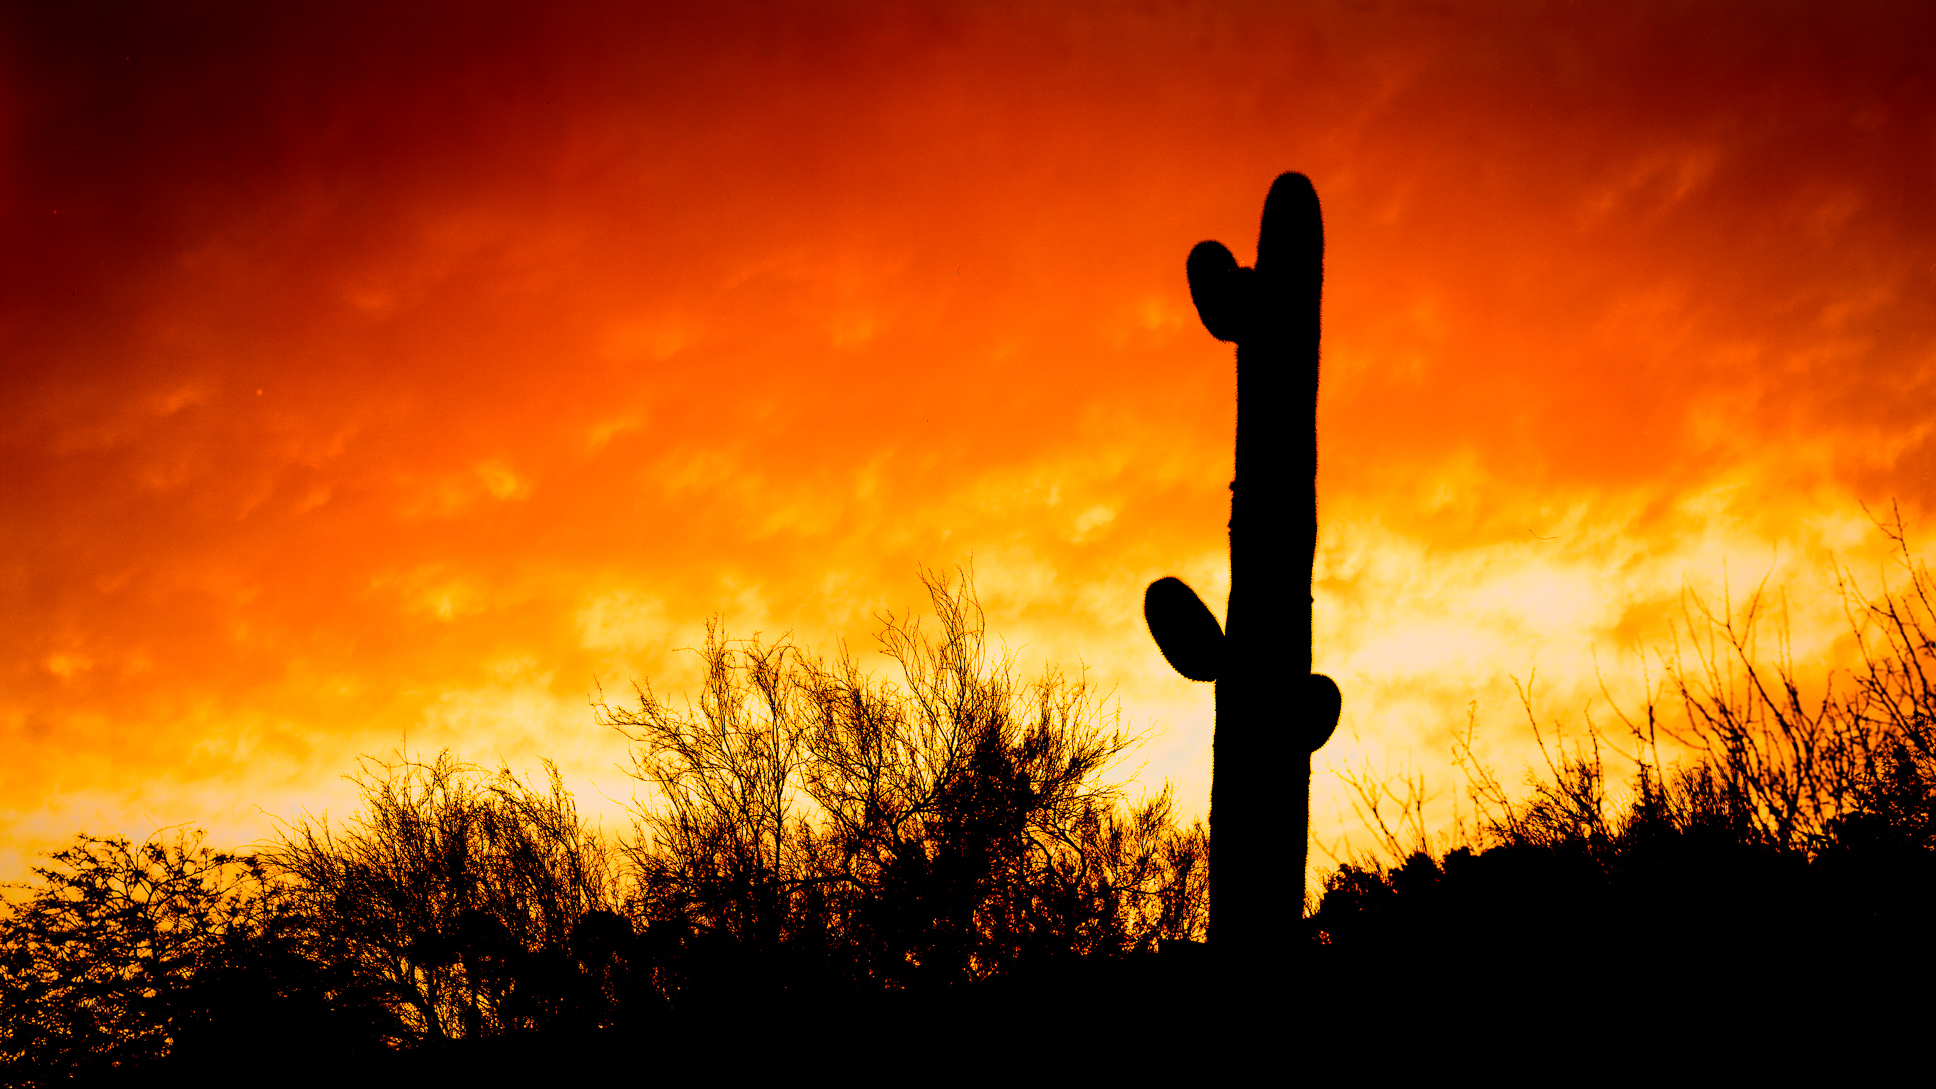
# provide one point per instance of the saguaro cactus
(1272, 711)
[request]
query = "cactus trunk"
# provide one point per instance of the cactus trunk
(1261, 771)
(1272, 712)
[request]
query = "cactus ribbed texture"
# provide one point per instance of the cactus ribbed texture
(1272, 711)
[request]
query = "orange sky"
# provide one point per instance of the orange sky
(389, 374)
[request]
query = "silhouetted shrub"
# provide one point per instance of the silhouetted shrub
(471, 906)
(124, 954)
(1785, 862)
(813, 823)
(1683, 904)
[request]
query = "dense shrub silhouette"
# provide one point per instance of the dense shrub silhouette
(1678, 914)
(811, 826)
(127, 954)
(471, 906)
(1779, 876)
(99, 961)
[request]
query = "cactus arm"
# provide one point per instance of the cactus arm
(1325, 704)
(1184, 628)
(1222, 290)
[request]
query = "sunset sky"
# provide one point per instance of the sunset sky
(378, 376)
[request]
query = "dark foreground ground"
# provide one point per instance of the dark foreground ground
(1517, 964)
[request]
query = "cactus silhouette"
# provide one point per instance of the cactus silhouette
(1272, 711)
